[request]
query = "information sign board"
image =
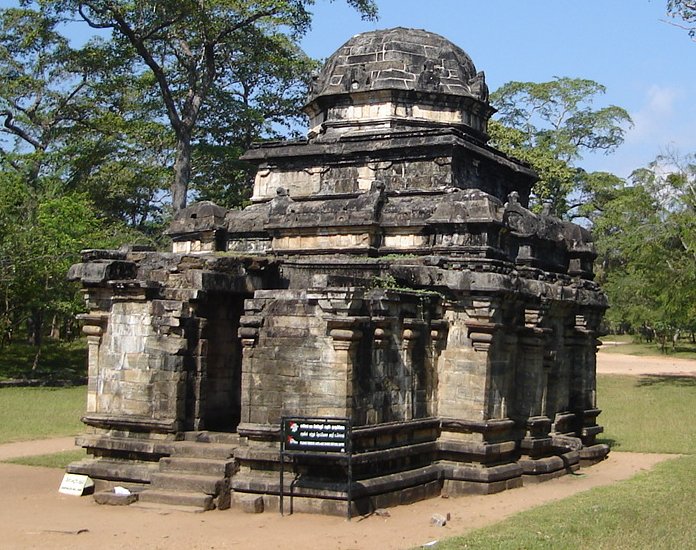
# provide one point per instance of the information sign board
(313, 435)
(75, 484)
(316, 438)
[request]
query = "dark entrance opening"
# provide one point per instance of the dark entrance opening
(222, 384)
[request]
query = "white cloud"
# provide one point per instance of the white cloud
(664, 120)
(654, 117)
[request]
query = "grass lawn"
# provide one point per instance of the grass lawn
(652, 510)
(35, 413)
(648, 414)
(54, 460)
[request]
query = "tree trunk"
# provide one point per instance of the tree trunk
(55, 328)
(37, 355)
(182, 170)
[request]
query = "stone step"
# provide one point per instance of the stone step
(213, 437)
(192, 449)
(199, 466)
(165, 508)
(179, 481)
(201, 501)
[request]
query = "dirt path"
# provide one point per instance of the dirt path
(633, 365)
(34, 515)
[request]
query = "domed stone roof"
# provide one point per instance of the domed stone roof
(399, 59)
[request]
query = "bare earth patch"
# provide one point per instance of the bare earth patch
(34, 515)
(633, 365)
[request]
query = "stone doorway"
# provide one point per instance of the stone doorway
(221, 357)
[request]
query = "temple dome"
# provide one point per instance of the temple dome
(399, 59)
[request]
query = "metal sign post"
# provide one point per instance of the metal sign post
(327, 438)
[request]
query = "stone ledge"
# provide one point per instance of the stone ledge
(139, 423)
(593, 454)
(484, 426)
(458, 472)
(541, 466)
(156, 448)
(114, 470)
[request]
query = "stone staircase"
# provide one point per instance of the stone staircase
(197, 474)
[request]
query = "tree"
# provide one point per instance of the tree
(686, 11)
(43, 86)
(70, 121)
(645, 232)
(188, 47)
(550, 125)
(61, 137)
(40, 237)
(261, 98)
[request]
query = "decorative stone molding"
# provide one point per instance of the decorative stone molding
(481, 334)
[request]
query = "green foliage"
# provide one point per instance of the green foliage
(40, 237)
(60, 361)
(260, 98)
(684, 10)
(645, 234)
(194, 52)
(39, 413)
(550, 125)
(43, 90)
(556, 176)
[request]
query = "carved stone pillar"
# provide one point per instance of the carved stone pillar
(200, 377)
(583, 396)
(413, 374)
(345, 337)
(94, 327)
(438, 342)
(248, 332)
(532, 380)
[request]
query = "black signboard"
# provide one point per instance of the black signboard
(316, 435)
(325, 437)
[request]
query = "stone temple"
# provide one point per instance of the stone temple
(389, 271)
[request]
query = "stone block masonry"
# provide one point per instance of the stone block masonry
(389, 271)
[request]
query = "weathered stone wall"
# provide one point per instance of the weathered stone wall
(290, 364)
(338, 353)
(134, 369)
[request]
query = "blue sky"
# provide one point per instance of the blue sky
(647, 65)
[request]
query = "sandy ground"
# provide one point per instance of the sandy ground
(633, 365)
(34, 515)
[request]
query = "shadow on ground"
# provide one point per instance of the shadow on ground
(676, 380)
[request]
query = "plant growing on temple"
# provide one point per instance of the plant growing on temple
(551, 125)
